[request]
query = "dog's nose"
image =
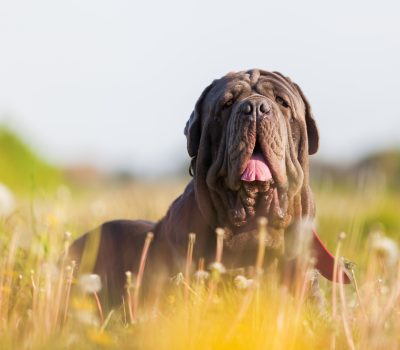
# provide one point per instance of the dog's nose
(259, 108)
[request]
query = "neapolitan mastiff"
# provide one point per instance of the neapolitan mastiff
(249, 138)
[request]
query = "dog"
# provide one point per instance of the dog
(249, 138)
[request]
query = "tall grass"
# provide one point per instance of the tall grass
(44, 306)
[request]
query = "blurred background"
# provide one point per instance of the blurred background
(94, 97)
(99, 91)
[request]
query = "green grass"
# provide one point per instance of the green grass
(21, 169)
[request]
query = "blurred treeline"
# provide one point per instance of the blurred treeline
(379, 170)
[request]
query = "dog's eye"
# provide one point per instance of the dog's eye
(280, 100)
(228, 103)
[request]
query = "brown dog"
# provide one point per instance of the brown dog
(249, 138)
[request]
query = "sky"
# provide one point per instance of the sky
(112, 83)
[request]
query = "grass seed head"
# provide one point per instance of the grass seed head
(90, 283)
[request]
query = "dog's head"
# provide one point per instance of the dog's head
(249, 137)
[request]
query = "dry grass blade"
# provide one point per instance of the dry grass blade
(342, 235)
(262, 235)
(220, 244)
(139, 277)
(346, 327)
(99, 308)
(189, 260)
(68, 286)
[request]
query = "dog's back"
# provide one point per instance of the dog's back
(109, 251)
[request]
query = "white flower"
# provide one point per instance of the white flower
(242, 282)
(90, 283)
(7, 202)
(217, 267)
(201, 275)
(385, 248)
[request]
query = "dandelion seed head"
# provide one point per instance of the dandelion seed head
(385, 248)
(217, 267)
(90, 283)
(201, 275)
(342, 236)
(241, 282)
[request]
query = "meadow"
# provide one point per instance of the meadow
(43, 305)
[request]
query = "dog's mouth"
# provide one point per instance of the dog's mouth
(257, 168)
(259, 194)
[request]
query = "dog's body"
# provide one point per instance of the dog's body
(249, 138)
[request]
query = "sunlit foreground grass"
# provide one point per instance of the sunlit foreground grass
(43, 306)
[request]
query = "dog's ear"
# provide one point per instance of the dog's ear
(312, 129)
(193, 125)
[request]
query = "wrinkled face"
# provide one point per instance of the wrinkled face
(250, 134)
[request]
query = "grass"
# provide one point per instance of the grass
(21, 168)
(40, 310)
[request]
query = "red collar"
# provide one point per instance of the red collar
(326, 261)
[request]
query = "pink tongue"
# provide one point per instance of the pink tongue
(256, 169)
